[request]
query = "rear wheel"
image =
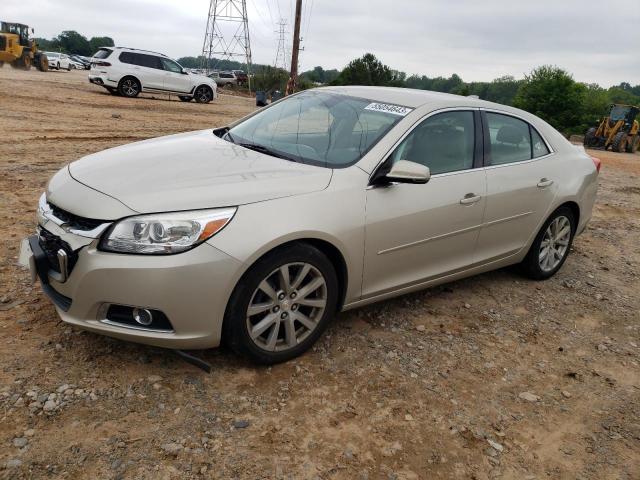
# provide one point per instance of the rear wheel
(633, 144)
(203, 94)
(619, 143)
(42, 63)
(551, 246)
(185, 99)
(590, 137)
(25, 62)
(129, 87)
(281, 305)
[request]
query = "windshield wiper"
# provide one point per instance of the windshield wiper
(267, 151)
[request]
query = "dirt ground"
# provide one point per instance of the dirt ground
(490, 377)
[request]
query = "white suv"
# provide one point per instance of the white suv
(129, 71)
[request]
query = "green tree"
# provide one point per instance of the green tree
(96, 42)
(71, 41)
(366, 70)
(553, 95)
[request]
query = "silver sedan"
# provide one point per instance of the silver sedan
(258, 233)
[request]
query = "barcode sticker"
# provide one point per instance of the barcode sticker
(388, 108)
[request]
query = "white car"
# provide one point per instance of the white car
(224, 78)
(59, 61)
(129, 72)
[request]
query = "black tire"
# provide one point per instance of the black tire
(185, 99)
(69, 68)
(203, 94)
(619, 143)
(235, 326)
(42, 62)
(590, 137)
(530, 266)
(58, 66)
(633, 144)
(129, 87)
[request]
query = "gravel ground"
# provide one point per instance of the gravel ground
(490, 377)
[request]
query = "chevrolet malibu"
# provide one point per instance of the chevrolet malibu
(258, 233)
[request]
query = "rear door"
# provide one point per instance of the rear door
(174, 79)
(147, 68)
(521, 185)
(415, 233)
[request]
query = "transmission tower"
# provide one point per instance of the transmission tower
(227, 34)
(281, 54)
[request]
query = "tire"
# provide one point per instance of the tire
(42, 62)
(129, 87)
(113, 91)
(590, 137)
(534, 265)
(203, 94)
(26, 63)
(69, 68)
(633, 144)
(292, 337)
(619, 143)
(185, 99)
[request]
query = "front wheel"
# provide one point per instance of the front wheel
(282, 305)
(203, 94)
(590, 138)
(129, 87)
(551, 246)
(634, 143)
(619, 143)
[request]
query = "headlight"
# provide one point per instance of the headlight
(165, 233)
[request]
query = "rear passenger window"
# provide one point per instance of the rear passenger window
(510, 139)
(539, 147)
(443, 142)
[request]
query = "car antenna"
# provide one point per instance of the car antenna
(198, 362)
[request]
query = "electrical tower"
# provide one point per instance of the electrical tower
(281, 54)
(227, 34)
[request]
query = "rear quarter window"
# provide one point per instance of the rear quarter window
(103, 53)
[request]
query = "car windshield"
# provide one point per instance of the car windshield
(319, 128)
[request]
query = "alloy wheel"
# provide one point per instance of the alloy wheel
(286, 307)
(203, 95)
(555, 243)
(130, 87)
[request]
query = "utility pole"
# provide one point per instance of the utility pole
(293, 77)
(227, 34)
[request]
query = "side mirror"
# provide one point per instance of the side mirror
(405, 171)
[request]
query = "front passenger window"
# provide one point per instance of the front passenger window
(443, 142)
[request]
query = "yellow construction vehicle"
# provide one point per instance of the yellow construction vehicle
(17, 49)
(619, 130)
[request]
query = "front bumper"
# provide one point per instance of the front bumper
(190, 288)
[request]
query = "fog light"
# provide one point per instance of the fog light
(142, 316)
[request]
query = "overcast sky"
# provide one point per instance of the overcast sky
(597, 41)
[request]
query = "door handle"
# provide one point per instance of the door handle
(544, 183)
(469, 199)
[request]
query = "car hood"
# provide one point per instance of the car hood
(191, 171)
(201, 78)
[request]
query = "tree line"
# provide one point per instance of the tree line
(73, 42)
(548, 91)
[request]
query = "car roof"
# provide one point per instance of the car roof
(410, 97)
(135, 50)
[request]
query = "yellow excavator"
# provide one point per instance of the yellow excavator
(619, 130)
(18, 49)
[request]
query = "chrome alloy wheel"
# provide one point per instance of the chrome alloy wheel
(286, 307)
(555, 243)
(130, 87)
(203, 94)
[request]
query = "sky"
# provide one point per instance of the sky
(596, 41)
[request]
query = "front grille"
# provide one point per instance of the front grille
(74, 221)
(51, 243)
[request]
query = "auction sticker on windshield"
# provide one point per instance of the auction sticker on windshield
(388, 108)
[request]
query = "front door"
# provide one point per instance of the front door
(419, 232)
(174, 79)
